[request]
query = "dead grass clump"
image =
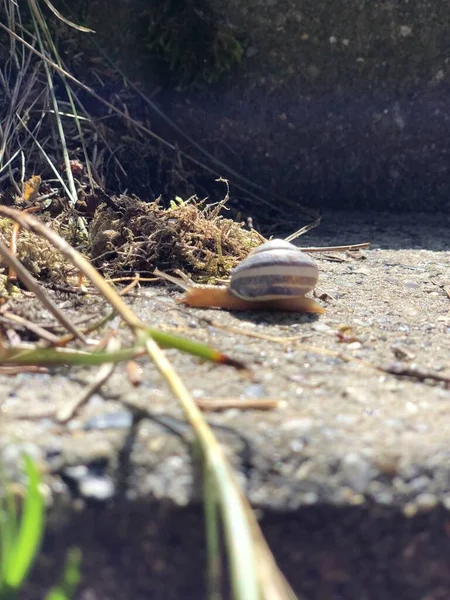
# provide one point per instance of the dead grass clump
(137, 237)
(37, 255)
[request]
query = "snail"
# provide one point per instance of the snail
(274, 276)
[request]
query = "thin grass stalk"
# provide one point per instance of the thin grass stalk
(29, 355)
(45, 155)
(73, 196)
(66, 85)
(239, 538)
(212, 528)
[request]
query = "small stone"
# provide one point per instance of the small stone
(411, 284)
(410, 510)
(299, 425)
(385, 497)
(426, 502)
(356, 471)
(419, 483)
(116, 420)
(254, 390)
(310, 498)
(76, 472)
(354, 346)
(96, 488)
(304, 471)
(297, 445)
(11, 457)
(411, 408)
(405, 31)
(402, 352)
(321, 327)
(313, 71)
(345, 419)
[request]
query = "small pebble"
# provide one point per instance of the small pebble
(254, 390)
(402, 352)
(356, 471)
(410, 510)
(116, 420)
(419, 483)
(354, 346)
(310, 498)
(96, 488)
(11, 456)
(426, 502)
(321, 327)
(76, 472)
(299, 425)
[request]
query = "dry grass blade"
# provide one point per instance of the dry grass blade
(63, 19)
(34, 287)
(68, 411)
(304, 230)
(349, 247)
(254, 573)
(70, 95)
(39, 24)
(36, 329)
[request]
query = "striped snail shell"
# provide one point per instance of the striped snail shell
(276, 269)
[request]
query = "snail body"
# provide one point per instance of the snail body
(274, 276)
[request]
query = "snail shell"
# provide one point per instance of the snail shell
(276, 269)
(274, 276)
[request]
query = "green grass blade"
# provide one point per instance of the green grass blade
(70, 579)
(20, 355)
(212, 526)
(8, 531)
(167, 340)
(29, 534)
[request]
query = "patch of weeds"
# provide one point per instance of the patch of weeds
(192, 42)
(132, 236)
